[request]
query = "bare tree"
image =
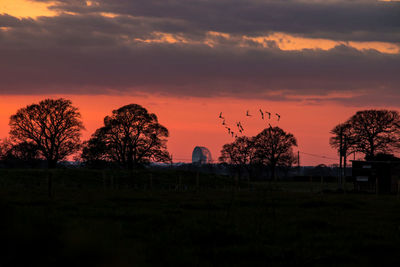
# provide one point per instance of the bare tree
(239, 152)
(343, 139)
(369, 132)
(53, 126)
(130, 136)
(274, 147)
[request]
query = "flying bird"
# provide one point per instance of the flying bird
(223, 122)
(240, 127)
(247, 114)
(269, 114)
(220, 116)
(262, 113)
(279, 116)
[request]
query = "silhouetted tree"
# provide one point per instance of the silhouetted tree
(343, 135)
(130, 136)
(52, 126)
(22, 154)
(370, 132)
(94, 153)
(274, 147)
(24, 151)
(240, 153)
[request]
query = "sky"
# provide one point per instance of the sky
(314, 62)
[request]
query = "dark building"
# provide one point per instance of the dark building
(376, 176)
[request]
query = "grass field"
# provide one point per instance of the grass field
(116, 218)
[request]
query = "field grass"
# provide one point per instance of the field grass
(142, 218)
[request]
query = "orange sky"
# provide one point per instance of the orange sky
(194, 121)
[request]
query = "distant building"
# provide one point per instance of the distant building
(376, 176)
(201, 155)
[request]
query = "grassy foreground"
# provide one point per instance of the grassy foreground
(114, 218)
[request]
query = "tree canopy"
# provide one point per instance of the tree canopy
(53, 126)
(272, 147)
(239, 152)
(131, 136)
(369, 132)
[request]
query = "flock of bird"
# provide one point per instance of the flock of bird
(239, 125)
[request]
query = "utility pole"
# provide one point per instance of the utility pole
(298, 162)
(340, 158)
(344, 161)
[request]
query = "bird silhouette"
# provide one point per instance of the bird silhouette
(240, 127)
(232, 133)
(262, 113)
(223, 122)
(269, 114)
(220, 116)
(279, 116)
(229, 130)
(247, 113)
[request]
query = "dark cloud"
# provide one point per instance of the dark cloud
(88, 53)
(363, 20)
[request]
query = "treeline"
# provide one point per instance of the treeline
(49, 132)
(375, 134)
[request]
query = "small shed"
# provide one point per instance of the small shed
(380, 177)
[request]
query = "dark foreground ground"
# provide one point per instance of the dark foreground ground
(112, 218)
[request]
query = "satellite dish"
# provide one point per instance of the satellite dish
(201, 155)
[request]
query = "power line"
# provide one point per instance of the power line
(318, 156)
(305, 153)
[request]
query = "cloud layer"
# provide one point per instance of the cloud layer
(206, 48)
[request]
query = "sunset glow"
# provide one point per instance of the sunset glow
(314, 62)
(194, 121)
(25, 8)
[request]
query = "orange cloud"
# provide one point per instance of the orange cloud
(283, 41)
(25, 8)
